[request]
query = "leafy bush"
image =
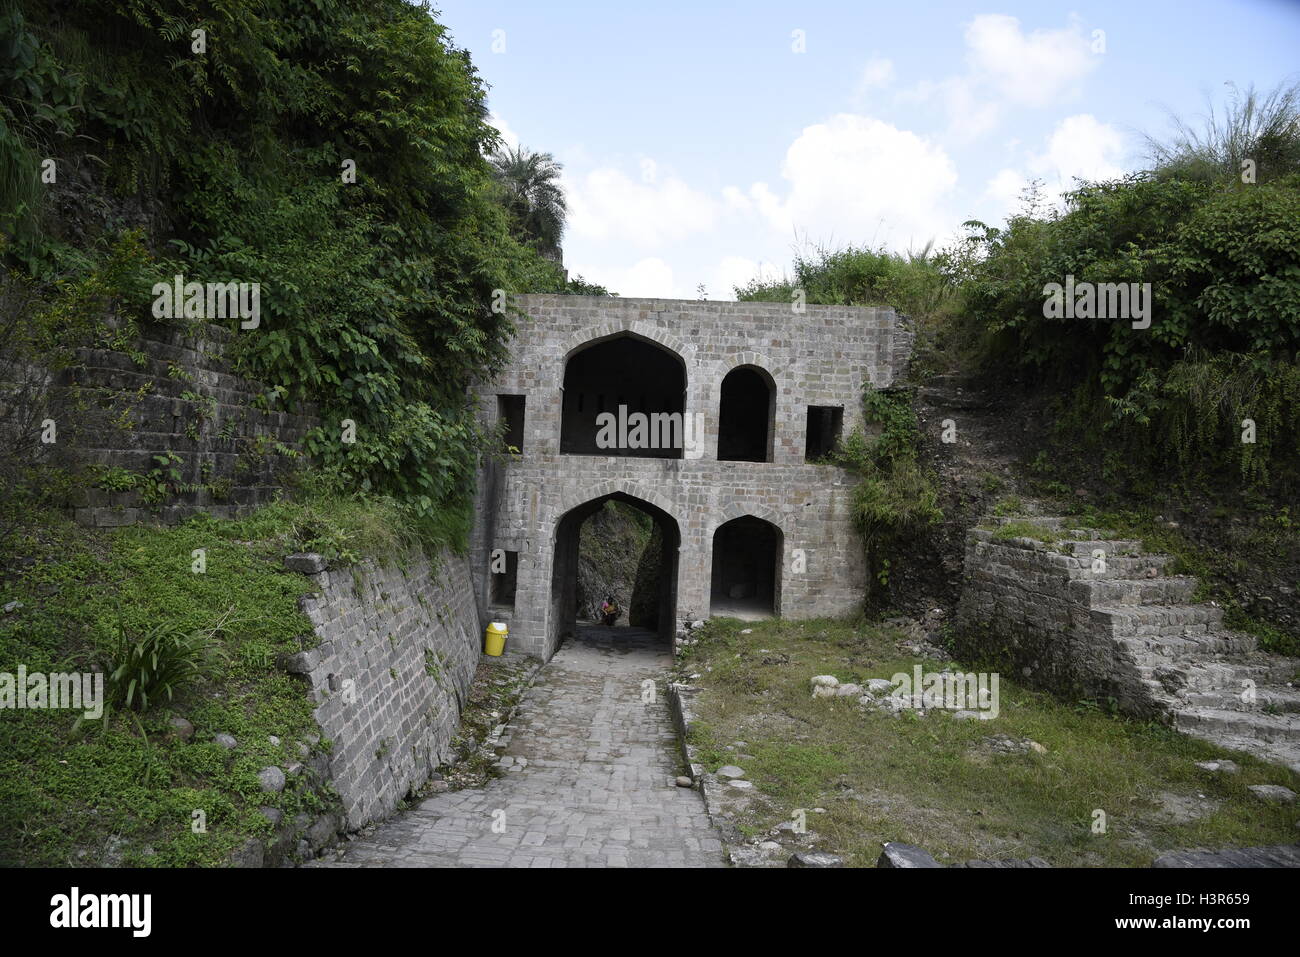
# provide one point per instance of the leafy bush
(1223, 261)
(377, 289)
(896, 499)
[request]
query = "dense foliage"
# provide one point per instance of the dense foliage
(332, 151)
(1223, 262)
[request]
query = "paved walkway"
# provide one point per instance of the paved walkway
(589, 781)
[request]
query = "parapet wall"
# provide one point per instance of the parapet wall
(397, 654)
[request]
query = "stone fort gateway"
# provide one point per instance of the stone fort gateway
(714, 418)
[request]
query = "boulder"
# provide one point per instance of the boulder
(271, 778)
(815, 859)
(905, 855)
(1273, 793)
(308, 563)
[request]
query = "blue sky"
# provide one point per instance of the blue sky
(703, 142)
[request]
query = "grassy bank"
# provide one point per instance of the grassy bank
(124, 789)
(957, 788)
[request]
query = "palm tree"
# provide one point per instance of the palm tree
(533, 195)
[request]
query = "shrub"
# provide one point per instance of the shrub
(160, 661)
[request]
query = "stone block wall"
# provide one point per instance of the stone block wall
(824, 356)
(397, 652)
(1022, 608)
(225, 428)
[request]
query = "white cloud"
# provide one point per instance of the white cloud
(1080, 147)
(650, 278)
(1004, 188)
(1033, 69)
(733, 271)
(508, 136)
(878, 73)
(859, 179)
(1007, 67)
(606, 204)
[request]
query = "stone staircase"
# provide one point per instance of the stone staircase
(1211, 682)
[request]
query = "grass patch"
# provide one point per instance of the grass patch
(1026, 530)
(942, 784)
(67, 793)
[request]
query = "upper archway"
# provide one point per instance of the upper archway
(745, 413)
(624, 396)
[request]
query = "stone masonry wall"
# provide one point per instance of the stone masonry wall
(824, 356)
(397, 654)
(1026, 606)
(221, 425)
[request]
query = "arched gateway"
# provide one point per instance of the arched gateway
(700, 414)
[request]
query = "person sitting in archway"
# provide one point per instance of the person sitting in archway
(608, 611)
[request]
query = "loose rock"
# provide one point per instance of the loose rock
(271, 778)
(905, 855)
(1273, 793)
(815, 859)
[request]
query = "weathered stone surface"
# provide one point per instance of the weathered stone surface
(227, 741)
(1011, 863)
(682, 781)
(272, 814)
(208, 413)
(1273, 793)
(730, 771)
(252, 853)
(905, 855)
(396, 654)
(1219, 767)
(814, 859)
(300, 662)
(308, 563)
(1284, 855)
(271, 779)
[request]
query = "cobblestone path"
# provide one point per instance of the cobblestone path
(588, 782)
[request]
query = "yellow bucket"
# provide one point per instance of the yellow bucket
(494, 640)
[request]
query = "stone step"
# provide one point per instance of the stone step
(1166, 590)
(1112, 547)
(1189, 650)
(1267, 700)
(1279, 752)
(1123, 566)
(1140, 621)
(1174, 683)
(1245, 725)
